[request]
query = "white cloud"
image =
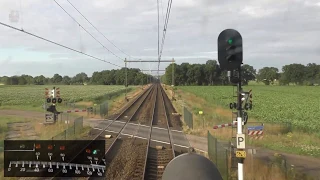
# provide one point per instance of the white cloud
(274, 32)
(258, 12)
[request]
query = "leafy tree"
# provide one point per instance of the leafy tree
(248, 74)
(268, 74)
(294, 73)
(66, 80)
(39, 80)
(56, 79)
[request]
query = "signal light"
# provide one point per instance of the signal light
(37, 146)
(48, 100)
(59, 100)
(50, 147)
(62, 148)
(54, 100)
(95, 152)
(88, 151)
(230, 49)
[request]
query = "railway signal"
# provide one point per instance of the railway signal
(53, 96)
(230, 49)
(230, 57)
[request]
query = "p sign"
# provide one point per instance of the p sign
(241, 141)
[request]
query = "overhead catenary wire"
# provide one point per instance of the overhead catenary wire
(97, 29)
(158, 35)
(21, 30)
(87, 31)
(165, 28)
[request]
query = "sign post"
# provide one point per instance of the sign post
(230, 57)
(200, 113)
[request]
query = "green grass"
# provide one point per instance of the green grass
(297, 105)
(272, 105)
(32, 97)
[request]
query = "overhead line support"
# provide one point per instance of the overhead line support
(151, 61)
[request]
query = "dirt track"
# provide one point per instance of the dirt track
(22, 113)
(144, 114)
(173, 120)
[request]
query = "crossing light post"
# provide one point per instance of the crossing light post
(53, 96)
(230, 58)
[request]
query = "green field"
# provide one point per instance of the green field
(299, 105)
(33, 96)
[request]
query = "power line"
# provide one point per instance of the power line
(158, 35)
(165, 28)
(21, 30)
(97, 29)
(86, 30)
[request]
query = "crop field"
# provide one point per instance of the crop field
(299, 105)
(34, 95)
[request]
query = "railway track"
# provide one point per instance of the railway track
(126, 161)
(158, 155)
(126, 115)
(131, 156)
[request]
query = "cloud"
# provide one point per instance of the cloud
(274, 33)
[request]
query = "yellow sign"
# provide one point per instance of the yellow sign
(241, 154)
(200, 112)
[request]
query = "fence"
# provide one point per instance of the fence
(188, 117)
(71, 132)
(218, 153)
(104, 109)
(272, 167)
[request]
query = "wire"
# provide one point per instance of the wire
(165, 28)
(97, 29)
(86, 30)
(158, 34)
(21, 30)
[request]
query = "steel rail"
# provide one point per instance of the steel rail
(126, 123)
(169, 131)
(114, 120)
(150, 132)
(159, 93)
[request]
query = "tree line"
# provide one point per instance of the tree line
(210, 73)
(106, 77)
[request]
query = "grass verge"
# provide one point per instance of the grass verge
(276, 136)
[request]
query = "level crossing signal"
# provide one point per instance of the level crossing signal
(53, 96)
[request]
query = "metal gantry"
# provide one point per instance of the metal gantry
(144, 61)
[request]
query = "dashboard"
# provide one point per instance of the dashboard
(54, 158)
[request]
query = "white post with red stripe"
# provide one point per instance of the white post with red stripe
(77, 110)
(225, 125)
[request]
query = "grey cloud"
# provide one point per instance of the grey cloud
(274, 32)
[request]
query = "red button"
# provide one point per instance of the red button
(38, 146)
(50, 147)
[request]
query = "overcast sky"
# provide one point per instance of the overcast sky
(275, 33)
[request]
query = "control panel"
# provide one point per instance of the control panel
(54, 158)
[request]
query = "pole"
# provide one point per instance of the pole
(239, 124)
(172, 81)
(203, 122)
(126, 83)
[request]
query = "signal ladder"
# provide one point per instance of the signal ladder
(247, 106)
